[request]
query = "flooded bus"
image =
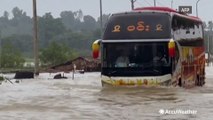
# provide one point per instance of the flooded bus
(152, 46)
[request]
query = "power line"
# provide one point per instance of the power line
(168, 3)
(148, 3)
(160, 3)
(141, 4)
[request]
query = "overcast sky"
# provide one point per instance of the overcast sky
(91, 7)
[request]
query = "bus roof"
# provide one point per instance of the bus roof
(166, 9)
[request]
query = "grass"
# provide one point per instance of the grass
(1, 78)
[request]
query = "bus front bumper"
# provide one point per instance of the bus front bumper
(164, 80)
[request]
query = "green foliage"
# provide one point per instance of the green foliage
(73, 30)
(55, 54)
(11, 57)
(23, 42)
(77, 41)
(49, 28)
(89, 23)
(210, 25)
(72, 20)
(1, 78)
(19, 24)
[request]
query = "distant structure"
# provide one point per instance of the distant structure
(81, 63)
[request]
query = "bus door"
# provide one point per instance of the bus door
(189, 68)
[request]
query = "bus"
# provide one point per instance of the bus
(160, 46)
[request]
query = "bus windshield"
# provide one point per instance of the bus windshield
(150, 58)
(136, 25)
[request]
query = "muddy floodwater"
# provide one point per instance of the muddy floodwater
(84, 99)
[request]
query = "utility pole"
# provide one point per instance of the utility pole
(197, 8)
(101, 18)
(35, 38)
(210, 43)
(0, 53)
(132, 4)
(155, 3)
(172, 4)
(208, 40)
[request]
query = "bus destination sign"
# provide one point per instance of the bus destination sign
(141, 26)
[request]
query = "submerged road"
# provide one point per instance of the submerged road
(84, 99)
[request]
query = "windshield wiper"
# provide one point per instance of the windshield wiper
(112, 72)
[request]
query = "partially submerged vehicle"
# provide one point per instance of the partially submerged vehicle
(144, 33)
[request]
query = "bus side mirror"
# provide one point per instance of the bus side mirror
(171, 47)
(96, 49)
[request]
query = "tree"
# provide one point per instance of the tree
(4, 21)
(49, 28)
(24, 43)
(72, 20)
(74, 29)
(105, 18)
(97, 34)
(55, 54)
(19, 24)
(17, 13)
(11, 57)
(210, 25)
(6, 15)
(80, 42)
(89, 23)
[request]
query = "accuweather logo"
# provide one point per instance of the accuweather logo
(178, 111)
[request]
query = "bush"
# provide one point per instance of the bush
(1, 78)
(55, 54)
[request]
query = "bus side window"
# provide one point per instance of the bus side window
(174, 25)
